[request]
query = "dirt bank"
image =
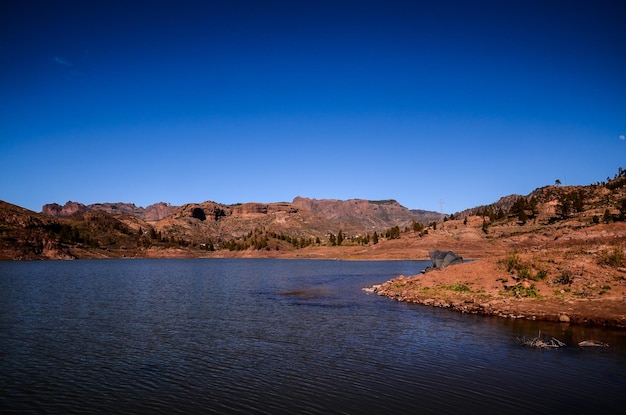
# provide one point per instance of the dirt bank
(551, 286)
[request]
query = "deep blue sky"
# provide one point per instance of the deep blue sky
(242, 101)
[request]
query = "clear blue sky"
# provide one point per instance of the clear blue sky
(262, 101)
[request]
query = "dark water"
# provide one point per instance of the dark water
(275, 336)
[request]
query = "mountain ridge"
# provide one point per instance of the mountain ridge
(303, 226)
(351, 213)
(76, 230)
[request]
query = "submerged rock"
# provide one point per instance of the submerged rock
(592, 343)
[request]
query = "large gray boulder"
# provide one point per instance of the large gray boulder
(442, 259)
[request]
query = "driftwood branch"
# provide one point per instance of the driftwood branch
(540, 343)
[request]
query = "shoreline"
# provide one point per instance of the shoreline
(484, 287)
(527, 309)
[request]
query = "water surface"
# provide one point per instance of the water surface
(275, 336)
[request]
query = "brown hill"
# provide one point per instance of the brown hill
(563, 259)
(28, 235)
(359, 215)
(194, 228)
(75, 230)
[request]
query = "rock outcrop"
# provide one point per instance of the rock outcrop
(212, 211)
(153, 212)
(247, 209)
(158, 211)
(70, 208)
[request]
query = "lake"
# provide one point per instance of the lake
(266, 336)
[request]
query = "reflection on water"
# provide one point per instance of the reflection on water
(310, 293)
(276, 336)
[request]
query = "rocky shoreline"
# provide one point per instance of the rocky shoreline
(458, 289)
(506, 308)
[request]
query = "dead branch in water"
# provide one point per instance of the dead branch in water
(538, 342)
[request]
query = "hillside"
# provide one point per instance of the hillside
(307, 227)
(75, 230)
(556, 254)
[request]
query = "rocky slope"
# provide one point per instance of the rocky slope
(79, 230)
(362, 215)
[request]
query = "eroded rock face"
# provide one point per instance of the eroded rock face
(70, 208)
(212, 211)
(153, 212)
(247, 209)
(119, 208)
(158, 211)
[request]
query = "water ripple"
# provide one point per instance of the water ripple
(270, 337)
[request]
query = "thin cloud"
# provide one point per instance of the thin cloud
(622, 137)
(62, 61)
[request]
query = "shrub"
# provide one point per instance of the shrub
(565, 278)
(614, 257)
(457, 287)
(524, 272)
(512, 262)
(530, 292)
(541, 275)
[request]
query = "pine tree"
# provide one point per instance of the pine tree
(332, 239)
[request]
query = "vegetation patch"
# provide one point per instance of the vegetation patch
(605, 289)
(458, 287)
(520, 290)
(613, 257)
(528, 292)
(566, 278)
(524, 271)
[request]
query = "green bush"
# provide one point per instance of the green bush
(513, 263)
(541, 275)
(529, 292)
(457, 287)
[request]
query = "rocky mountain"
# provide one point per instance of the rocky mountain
(28, 235)
(156, 211)
(76, 230)
(427, 216)
(124, 229)
(69, 209)
(360, 213)
(355, 215)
